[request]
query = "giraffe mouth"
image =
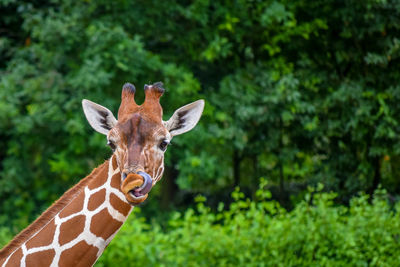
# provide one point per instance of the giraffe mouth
(145, 187)
(136, 186)
(136, 195)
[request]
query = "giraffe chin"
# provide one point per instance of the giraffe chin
(135, 200)
(132, 186)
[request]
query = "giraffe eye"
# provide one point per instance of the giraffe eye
(163, 145)
(111, 145)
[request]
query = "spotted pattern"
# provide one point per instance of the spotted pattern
(77, 238)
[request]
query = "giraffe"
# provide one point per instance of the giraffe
(76, 229)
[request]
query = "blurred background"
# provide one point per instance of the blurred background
(295, 161)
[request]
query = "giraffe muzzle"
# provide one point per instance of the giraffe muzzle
(136, 186)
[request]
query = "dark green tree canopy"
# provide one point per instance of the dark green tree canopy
(298, 92)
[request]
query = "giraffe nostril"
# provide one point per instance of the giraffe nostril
(124, 175)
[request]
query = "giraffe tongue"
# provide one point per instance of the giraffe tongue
(136, 193)
(146, 186)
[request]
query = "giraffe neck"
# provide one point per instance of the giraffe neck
(79, 232)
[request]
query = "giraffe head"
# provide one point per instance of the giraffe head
(140, 137)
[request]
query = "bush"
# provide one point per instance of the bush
(261, 233)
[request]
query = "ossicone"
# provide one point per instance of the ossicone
(128, 104)
(130, 88)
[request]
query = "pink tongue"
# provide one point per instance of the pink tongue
(137, 193)
(148, 183)
(145, 188)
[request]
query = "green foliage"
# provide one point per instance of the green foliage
(259, 232)
(301, 92)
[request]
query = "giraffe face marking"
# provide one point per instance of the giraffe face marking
(139, 145)
(140, 137)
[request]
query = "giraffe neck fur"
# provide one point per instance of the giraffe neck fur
(99, 223)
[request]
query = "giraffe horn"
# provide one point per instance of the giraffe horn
(128, 104)
(153, 93)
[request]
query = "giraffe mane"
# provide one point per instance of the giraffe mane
(48, 214)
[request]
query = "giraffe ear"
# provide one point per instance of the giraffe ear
(185, 118)
(99, 117)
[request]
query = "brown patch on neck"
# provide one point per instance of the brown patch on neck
(119, 205)
(15, 259)
(96, 199)
(82, 254)
(116, 181)
(71, 229)
(46, 216)
(41, 258)
(44, 237)
(104, 225)
(72, 209)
